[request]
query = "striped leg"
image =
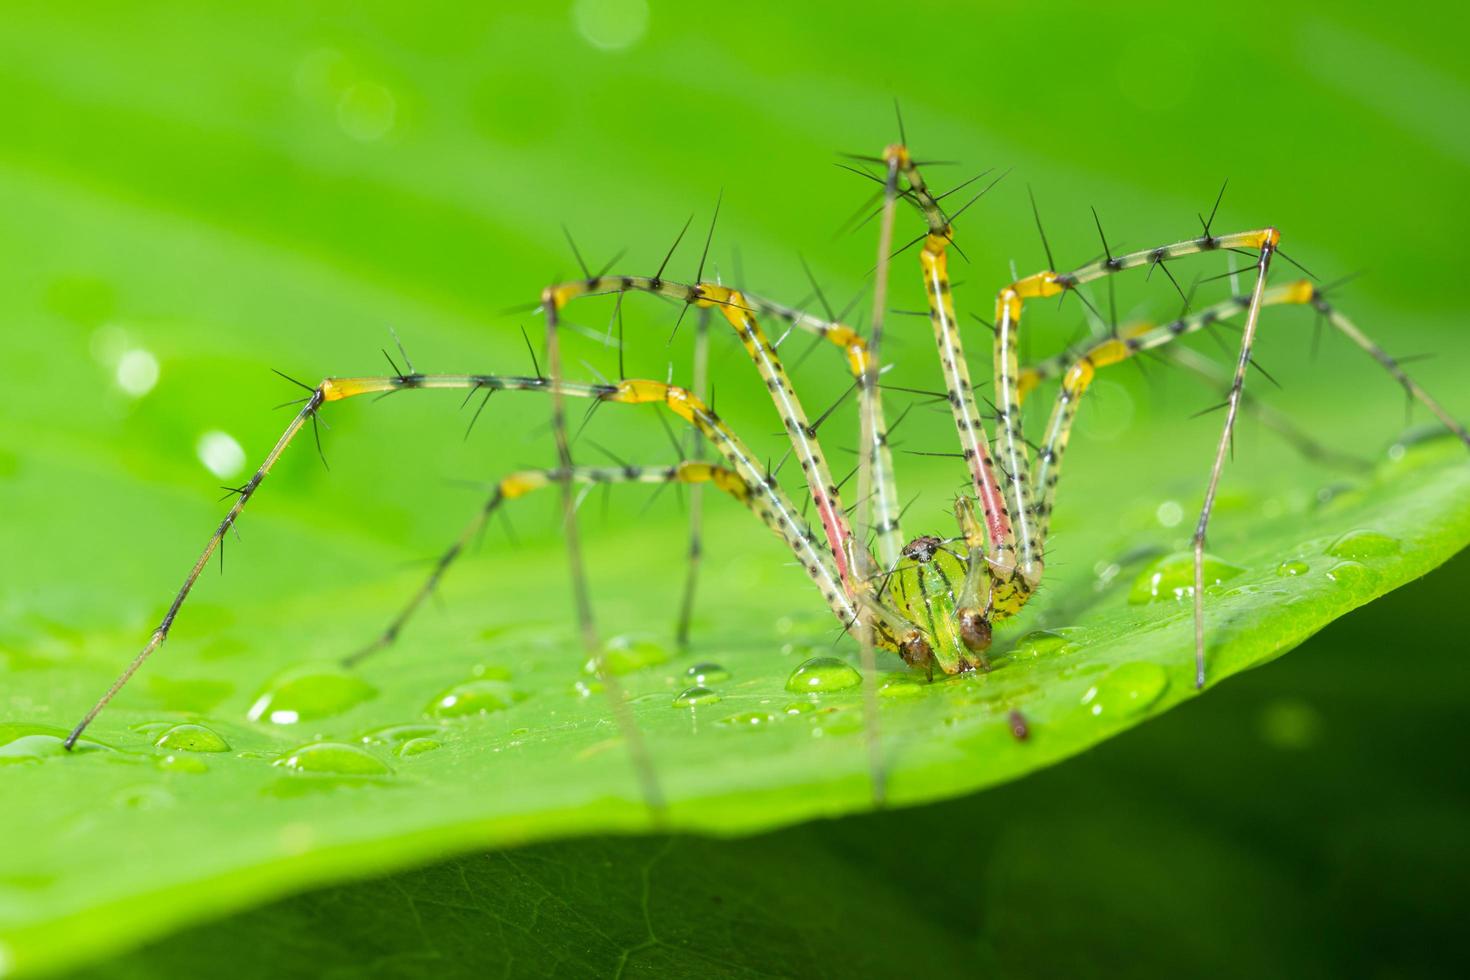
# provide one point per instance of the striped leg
(776, 508)
(522, 483)
(799, 431)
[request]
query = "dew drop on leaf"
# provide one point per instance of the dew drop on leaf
(192, 738)
(1350, 573)
(1126, 690)
(1294, 567)
(693, 697)
(707, 673)
(476, 697)
(337, 758)
(309, 692)
(418, 746)
(821, 674)
(1363, 544)
(1172, 577)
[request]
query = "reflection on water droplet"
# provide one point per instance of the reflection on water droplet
(1363, 544)
(1290, 723)
(308, 692)
(901, 684)
(182, 763)
(695, 696)
(337, 758)
(220, 454)
(707, 673)
(398, 734)
(625, 654)
(1350, 573)
(476, 697)
(1172, 577)
(1294, 567)
(192, 738)
(749, 719)
(822, 674)
(1127, 690)
(417, 746)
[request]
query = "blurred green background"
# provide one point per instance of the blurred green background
(193, 196)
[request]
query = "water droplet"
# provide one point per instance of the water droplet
(36, 743)
(192, 738)
(1126, 690)
(799, 708)
(695, 696)
(308, 692)
(585, 689)
(1350, 573)
(337, 758)
(417, 746)
(1172, 577)
(1289, 723)
(822, 674)
(1038, 643)
(182, 763)
(706, 674)
(901, 684)
(398, 734)
(1363, 544)
(749, 719)
(625, 654)
(1294, 567)
(476, 697)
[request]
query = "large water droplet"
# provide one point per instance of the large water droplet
(695, 696)
(707, 674)
(821, 674)
(36, 743)
(625, 654)
(901, 684)
(417, 746)
(1038, 643)
(337, 758)
(475, 697)
(1287, 569)
(1350, 573)
(396, 735)
(192, 738)
(1172, 577)
(1364, 544)
(308, 692)
(1126, 690)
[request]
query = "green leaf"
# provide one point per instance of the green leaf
(217, 208)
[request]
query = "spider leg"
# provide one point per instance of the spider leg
(778, 509)
(696, 492)
(524, 482)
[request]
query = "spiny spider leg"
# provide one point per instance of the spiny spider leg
(779, 511)
(699, 389)
(521, 483)
(741, 316)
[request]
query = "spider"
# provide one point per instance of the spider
(934, 599)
